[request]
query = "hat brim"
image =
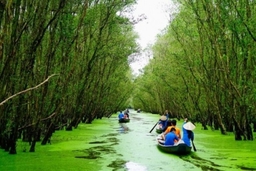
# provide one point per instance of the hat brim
(189, 126)
(163, 118)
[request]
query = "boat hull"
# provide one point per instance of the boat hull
(175, 149)
(123, 120)
(159, 131)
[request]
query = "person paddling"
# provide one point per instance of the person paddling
(187, 130)
(163, 123)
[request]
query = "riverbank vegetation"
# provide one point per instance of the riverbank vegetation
(203, 67)
(103, 146)
(82, 45)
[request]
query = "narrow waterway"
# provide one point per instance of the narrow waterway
(138, 148)
(106, 145)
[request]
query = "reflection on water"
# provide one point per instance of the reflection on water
(131, 166)
(123, 128)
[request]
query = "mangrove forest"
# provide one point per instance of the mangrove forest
(67, 62)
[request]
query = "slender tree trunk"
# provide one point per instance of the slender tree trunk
(34, 137)
(48, 134)
(12, 142)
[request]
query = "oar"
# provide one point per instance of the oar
(193, 145)
(153, 127)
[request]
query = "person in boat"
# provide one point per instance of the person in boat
(171, 124)
(166, 113)
(163, 123)
(126, 114)
(121, 115)
(170, 138)
(187, 130)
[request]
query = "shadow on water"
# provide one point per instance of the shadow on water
(106, 147)
(123, 128)
(101, 150)
(118, 163)
(126, 165)
(206, 165)
(97, 151)
(113, 154)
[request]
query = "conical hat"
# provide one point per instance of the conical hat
(189, 126)
(163, 118)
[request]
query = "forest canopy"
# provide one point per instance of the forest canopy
(85, 44)
(203, 67)
(78, 51)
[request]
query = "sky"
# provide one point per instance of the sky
(157, 14)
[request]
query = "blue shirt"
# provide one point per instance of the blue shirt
(185, 137)
(164, 124)
(170, 137)
(121, 115)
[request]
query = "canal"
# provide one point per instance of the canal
(106, 145)
(137, 150)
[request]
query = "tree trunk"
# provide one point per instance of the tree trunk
(48, 134)
(34, 136)
(33, 145)
(12, 142)
(222, 127)
(237, 130)
(254, 126)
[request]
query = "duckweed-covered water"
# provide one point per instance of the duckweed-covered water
(107, 145)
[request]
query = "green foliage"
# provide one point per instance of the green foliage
(99, 146)
(204, 65)
(86, 43)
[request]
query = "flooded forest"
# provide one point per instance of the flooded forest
(64, 63)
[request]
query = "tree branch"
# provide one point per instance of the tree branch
(49, 117)
(29, 89)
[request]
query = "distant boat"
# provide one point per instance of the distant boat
(181, 148)
(123, 120)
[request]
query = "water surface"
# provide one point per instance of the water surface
(107, 145)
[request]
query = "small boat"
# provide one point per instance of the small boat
(159, 131)
(123, 120)
(180, 148)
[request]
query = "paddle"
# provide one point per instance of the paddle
(194, 148)
(153, 127)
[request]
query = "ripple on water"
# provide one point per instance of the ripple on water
(132, 166)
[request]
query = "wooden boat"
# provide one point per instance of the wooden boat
(123, 120)
(159, 131)
(181, 148)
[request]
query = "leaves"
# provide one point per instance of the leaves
(204, 65)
